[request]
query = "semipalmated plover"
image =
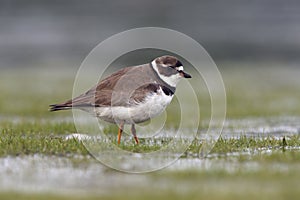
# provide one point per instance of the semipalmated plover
(131, 95)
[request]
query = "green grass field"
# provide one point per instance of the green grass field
(257, 157)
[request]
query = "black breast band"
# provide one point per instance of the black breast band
(167, 90)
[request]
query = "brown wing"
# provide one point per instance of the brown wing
(113, 90)
(103, 97)
(99, 95)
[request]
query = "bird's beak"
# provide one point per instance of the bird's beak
(185, 75)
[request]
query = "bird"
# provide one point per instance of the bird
(132, 94)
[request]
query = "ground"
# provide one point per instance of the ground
(257, 156)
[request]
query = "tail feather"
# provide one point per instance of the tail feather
(56, 107)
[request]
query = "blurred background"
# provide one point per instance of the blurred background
(39, 32)
(258, 40)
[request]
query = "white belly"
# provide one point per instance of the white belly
(152, 106)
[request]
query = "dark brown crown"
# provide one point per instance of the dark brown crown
(169, 61)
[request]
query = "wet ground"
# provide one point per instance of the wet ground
(83, 174)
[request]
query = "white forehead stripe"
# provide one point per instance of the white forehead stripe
(180, 68)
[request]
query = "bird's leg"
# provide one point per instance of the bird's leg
(133, 131)
(121, 127)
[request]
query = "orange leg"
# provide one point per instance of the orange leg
(120, 132)
(133, 131)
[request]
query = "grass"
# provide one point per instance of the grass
(31, 138)
(49, 138)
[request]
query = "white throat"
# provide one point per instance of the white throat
(170, 80)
